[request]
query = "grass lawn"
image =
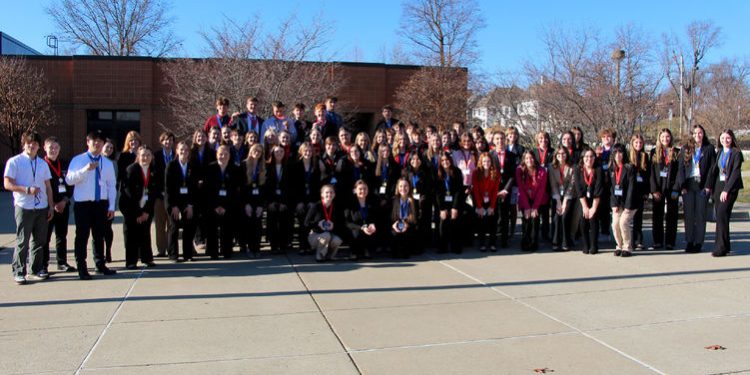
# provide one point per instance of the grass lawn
(744, 195)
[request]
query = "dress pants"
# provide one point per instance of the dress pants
(723, 244)
(161, 224)
(137, 238)
(695, 205)
(91, 218)
(562, 234)
(622, 228)
(659, 235)
(188, 232)
(59, 226)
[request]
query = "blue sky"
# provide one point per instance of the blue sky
(511, 37)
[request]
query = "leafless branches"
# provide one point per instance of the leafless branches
(434, 96)
(25, 101)
(116, 27)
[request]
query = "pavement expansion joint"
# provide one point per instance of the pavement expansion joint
(550, 316)
(674, 321)
(109, 323)
(216, 317)
(386, 307)
(34, 329)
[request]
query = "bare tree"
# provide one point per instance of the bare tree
(247, 62)
(434, 96)
(25, 101)
(724, 100)
(116, 27)
(442, 32)
(702, 36)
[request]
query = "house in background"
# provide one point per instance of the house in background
(506, 106)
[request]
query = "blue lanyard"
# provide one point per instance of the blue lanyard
(384, 173)
(356, 173)
(402, 158)
(414, 180)
(447, 185)
(363, 212)
(250, 124)
(697, 155)
(256, 173)
(724, 158)
(218, 120)
(404, 209)
(183, 171)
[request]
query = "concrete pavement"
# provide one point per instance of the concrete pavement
(474, 313)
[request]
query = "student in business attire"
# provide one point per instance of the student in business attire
(485, 186)
(127, 155)
(589, 189)
(328, 161)
(403, 220)
(254, 198)
(279, 194)
(201, 155)
(420, 176)
(161, 222)
(531, 179)
(564, 200)
(94, 194)
(61, 196)
(221, 119)
(221, 193)
(622, 196)
(641, 163)
(383, 186)
(505, 164)
(725, 180)
(696, 159)
(544, 155)
(137, 206)
(326, 222)
(608, 137)
(514, 147)
(27, 176)
(108, 151)
(349, 169)
(388, 121)
(360, 219)
(180, 196)
(449, 192)
(567, 143)
(248, 121)
(306, 174)
(664, 170)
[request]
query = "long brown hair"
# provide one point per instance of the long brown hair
(690, 145)
(660, 151)
(637, 158)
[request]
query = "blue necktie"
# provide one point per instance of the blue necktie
(97, 188)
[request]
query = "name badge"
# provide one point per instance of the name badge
(588, 194)
(62, 189)
(663, 173)
(562, 189)
(696, 172)
(722, 177)
(605, 167)
(222, 192)
(448, 198)
(333, 181)
(143, 201)
(256, 191)
(382, 189)
(417, 196)
(183, 190)
(618, 191)
(486, 199)
(278, 191)
(400, 225)
(639, 178)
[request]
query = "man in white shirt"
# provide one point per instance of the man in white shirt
(93, 177)
(27, 176)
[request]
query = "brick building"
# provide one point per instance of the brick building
(115, 94)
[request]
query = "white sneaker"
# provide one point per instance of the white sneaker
(19, 279)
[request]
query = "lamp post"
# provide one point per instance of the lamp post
(617, 56)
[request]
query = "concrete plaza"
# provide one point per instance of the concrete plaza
(474, 313)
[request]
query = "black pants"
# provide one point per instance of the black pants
(530, 233)
(450, 235)
(188, 232)
(137, 241)
(361, 243)
(504, 213)
(279, 225)
(402, 243)
(220, 233)
(604, 213)
(544, 216)
(302, 230)
(723, 215)
(91, 219)
(487, 230)
(671, 221)
(637, 237)
(250, 234)
(562, 234)
(58, 225)
(590, 234)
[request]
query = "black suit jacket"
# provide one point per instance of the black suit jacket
(232, 179)
(132, 191)
(240, 123)
(508, 171)
(707, 161)
(174, 181)
(733, 171)
(275, 185)
(160, 165)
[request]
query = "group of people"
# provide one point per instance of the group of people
(398, 190)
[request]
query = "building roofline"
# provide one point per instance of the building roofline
(21, 43)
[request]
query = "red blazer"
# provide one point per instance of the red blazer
(481, 186)
(532, 192)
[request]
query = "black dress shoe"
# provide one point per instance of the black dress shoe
(84, 276)
(692, 248)
(669, 247)
(626, 254)
(150, 264)
(160, 255)
(656, 247)
(105, 271)
(131, 267)
(618, 253)
(719, 253)
(66, 268)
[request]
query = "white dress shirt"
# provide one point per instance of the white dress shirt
(28, 172)
(85, 180)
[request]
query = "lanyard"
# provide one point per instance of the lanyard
(543, 156)
(167, 158)
(447, 186)
(183, 169)
(562, 173)
(256, 173)
(404, 209)
(402, 159)
(218, 120)
(146, 177)
(363, 211)
(252, 121)
(58, 170)
(501, 158)
(414, 181)
(697, 155)
(665, 156)
(724, 158)
(588, 178)
(384, 173)
(33, 168)
(328, 213)
(618, 174)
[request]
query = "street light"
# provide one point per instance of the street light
(617, 56)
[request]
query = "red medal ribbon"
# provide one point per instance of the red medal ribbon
(618, 174)
(57, 170)
(328, 213)
(589, 179)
